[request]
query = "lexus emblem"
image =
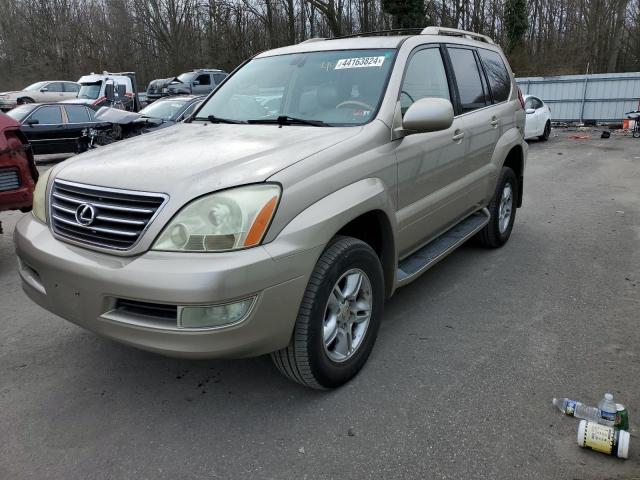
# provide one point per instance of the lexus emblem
(85, 214)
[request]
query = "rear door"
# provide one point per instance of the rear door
(480, 124)
(71, 90)
(78, 119)
(47, 134)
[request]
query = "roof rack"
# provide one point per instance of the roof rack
(395, 31)
(454, 32)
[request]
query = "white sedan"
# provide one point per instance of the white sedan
(538, 122)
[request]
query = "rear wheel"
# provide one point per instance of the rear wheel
(503, 211)
(546, 132)
(338, 319)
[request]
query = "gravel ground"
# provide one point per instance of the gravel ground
(458, 386)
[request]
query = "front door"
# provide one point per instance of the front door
(45, 130)
(427, 162)
(202, 84)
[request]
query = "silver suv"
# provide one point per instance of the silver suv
(302, 193)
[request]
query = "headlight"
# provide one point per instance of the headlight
(222, 221)
(39, 197)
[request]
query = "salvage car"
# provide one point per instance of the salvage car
(197, 82)
(538, 123)
(49, 91)
(158, 88)
(18, 173)
(281, 229)
(171, 110)
(53, 128)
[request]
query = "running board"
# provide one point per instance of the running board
(419, 262)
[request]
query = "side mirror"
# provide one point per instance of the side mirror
(529, 111)
(196, 82)
(109, 92)
(33, 121)
(428, 115)
(44, 89)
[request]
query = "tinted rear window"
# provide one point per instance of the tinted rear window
(77, 113)
(468, 79)
(499, 79)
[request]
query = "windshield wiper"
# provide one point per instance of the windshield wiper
(287, 120)
(214, 119)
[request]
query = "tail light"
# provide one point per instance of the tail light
(18, 145)
(521, 98)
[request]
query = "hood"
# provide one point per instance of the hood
(160, 82)
(6, 122)
(191, 159)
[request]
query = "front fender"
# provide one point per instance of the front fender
(318, 224)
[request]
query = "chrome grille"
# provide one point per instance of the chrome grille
(9, 180)
(105, 217)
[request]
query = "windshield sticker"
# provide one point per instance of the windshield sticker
(360, 62)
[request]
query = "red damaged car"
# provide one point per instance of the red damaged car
(18, 173)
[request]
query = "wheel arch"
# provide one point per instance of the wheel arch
(363, 210)
(515, 161)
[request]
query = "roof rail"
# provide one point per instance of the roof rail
(454, 32)
(393, 31)
(314, 39)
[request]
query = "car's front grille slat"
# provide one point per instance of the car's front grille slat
(116, 218)
(9, 180)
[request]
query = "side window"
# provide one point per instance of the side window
(425, 77)
(189, 110)
(76, 113)
(55, 87)
(537, 103)
(71, 87)
(468, 79)
(47, 115)
(204, 79)
(499, 79)
(218, 77)
(529, 104)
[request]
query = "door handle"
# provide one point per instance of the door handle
(458, 135)
(494, 122)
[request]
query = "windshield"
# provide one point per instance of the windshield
(336, 87)
(165, 109)
(90, 90)
(36, 86)
(186, 77)
(20, 112)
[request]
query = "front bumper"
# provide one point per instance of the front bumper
(84, 286)
(6, 105)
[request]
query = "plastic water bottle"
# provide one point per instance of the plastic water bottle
(608, 410)
(576, 409)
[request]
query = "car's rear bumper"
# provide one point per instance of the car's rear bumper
(84, 286)
(19, 198)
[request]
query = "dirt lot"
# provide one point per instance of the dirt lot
(459, 384)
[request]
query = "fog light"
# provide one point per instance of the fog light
(209, 316)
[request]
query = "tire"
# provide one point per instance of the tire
(547, 131)
(24, 100)
(495, 234)
(307, 359)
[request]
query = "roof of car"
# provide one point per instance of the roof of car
(353, 43)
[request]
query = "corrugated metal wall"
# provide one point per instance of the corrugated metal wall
(601, 97)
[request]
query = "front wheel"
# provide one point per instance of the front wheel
(546, 132)
(338, 319)
(503, 211)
